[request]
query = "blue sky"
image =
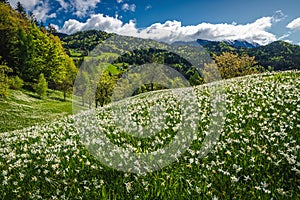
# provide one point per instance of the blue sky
(172, 20)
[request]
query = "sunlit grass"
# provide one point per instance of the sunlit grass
(23, 109)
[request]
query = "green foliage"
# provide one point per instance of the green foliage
(84, 41)
(67, 79)
(30, 50)
(278, 56)
(82, 83)
(4, 80)
(232, 65)
(105, 88)
(41, 87)
(16, 83)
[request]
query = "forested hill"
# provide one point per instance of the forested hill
(29, 51)
(279, 55)
(276, 56)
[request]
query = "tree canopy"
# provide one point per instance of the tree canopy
(30, 50)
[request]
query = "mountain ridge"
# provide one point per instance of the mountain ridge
(278, 55)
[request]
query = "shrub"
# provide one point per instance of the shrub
(4, 81)
(16, 83)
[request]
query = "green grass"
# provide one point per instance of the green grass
(256, 156)
(23, 109)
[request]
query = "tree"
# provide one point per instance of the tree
(16, 83)
(41, 86)
(21, 10)
(82, 83)
(32, 18)
(66, 84)
(232, 65)
(4, 81)
(51, 29)
(105, 88)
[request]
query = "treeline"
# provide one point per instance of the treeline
(30, 53)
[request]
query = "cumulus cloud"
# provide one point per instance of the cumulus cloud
(294, 25)
(172, 31)
(97, 21)
(119, 1)
(127, 7)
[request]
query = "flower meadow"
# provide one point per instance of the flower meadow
(256, 154)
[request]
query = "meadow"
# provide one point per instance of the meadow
(24, 108)
(256, 154)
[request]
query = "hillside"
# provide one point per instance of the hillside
(256, 155)
(24, 109)
(278, 55)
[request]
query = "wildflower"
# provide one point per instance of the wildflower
(246, 178)
(128, 186)
(4, 172)
(234, 179)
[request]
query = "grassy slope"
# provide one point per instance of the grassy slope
(256, 157)
(23, 109)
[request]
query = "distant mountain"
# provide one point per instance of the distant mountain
(234, 43)
(209, 43)
(278, 55)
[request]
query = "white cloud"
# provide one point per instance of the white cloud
(127, 7)
(83, 6)
(41, 11)
(284, 36)
(148, 7)
(98, 22)
(295, 24)
(279, 16)
(64, 5)
(40, 8)
(119, 1)
(28, 4)
(172, 31)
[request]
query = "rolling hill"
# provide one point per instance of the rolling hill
(256, 154)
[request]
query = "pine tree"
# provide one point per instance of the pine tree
(21, 10)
